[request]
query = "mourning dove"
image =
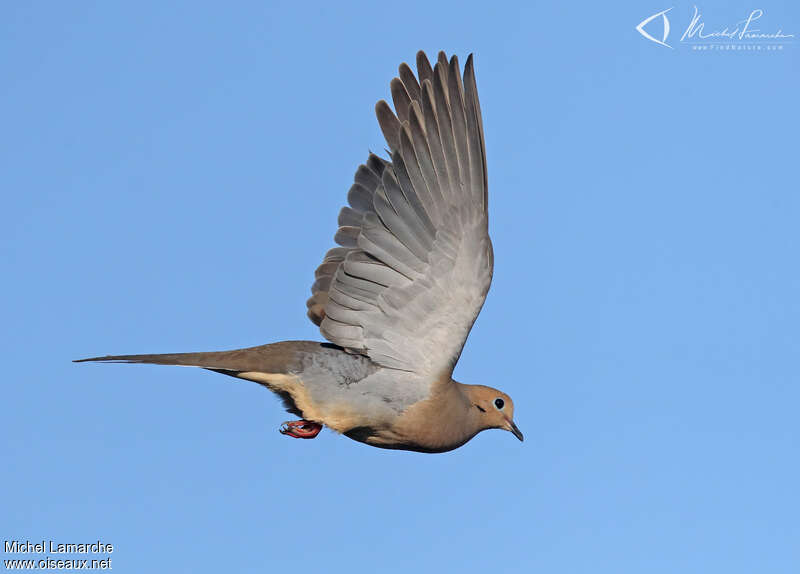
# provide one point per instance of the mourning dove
(397, 299)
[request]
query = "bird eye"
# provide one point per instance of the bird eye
(499, 404)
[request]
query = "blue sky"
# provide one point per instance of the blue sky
(171, 176)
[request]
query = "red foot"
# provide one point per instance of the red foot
(300, 429)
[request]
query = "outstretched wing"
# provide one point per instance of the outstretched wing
(415, 259)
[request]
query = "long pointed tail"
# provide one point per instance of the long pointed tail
(212, 359)
(274, 358)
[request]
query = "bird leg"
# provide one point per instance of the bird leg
(300, 429)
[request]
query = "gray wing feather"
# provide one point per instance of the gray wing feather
(409, 81)
(390, 125)
(424, 70)
(360, 197)
(415, 261)
(401, 99)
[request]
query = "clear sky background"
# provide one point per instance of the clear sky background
(171, 175)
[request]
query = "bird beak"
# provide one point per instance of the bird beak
(512, 428)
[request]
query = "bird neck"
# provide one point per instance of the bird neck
(472, 393)
(469, 394)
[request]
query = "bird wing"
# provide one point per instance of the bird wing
(414, 262)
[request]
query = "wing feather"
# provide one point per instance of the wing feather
(424, 70)
(446, 126)
(415, 259)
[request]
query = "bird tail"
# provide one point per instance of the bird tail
(267, 365)
(204, 360)
(275, 358)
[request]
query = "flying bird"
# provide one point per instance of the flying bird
(398, 297)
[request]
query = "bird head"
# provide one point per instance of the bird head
(494, 408)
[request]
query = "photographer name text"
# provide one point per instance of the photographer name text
(53, 547)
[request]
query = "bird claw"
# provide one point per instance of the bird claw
(300, 429)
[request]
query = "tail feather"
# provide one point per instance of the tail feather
(275, 358)
(212, 359)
